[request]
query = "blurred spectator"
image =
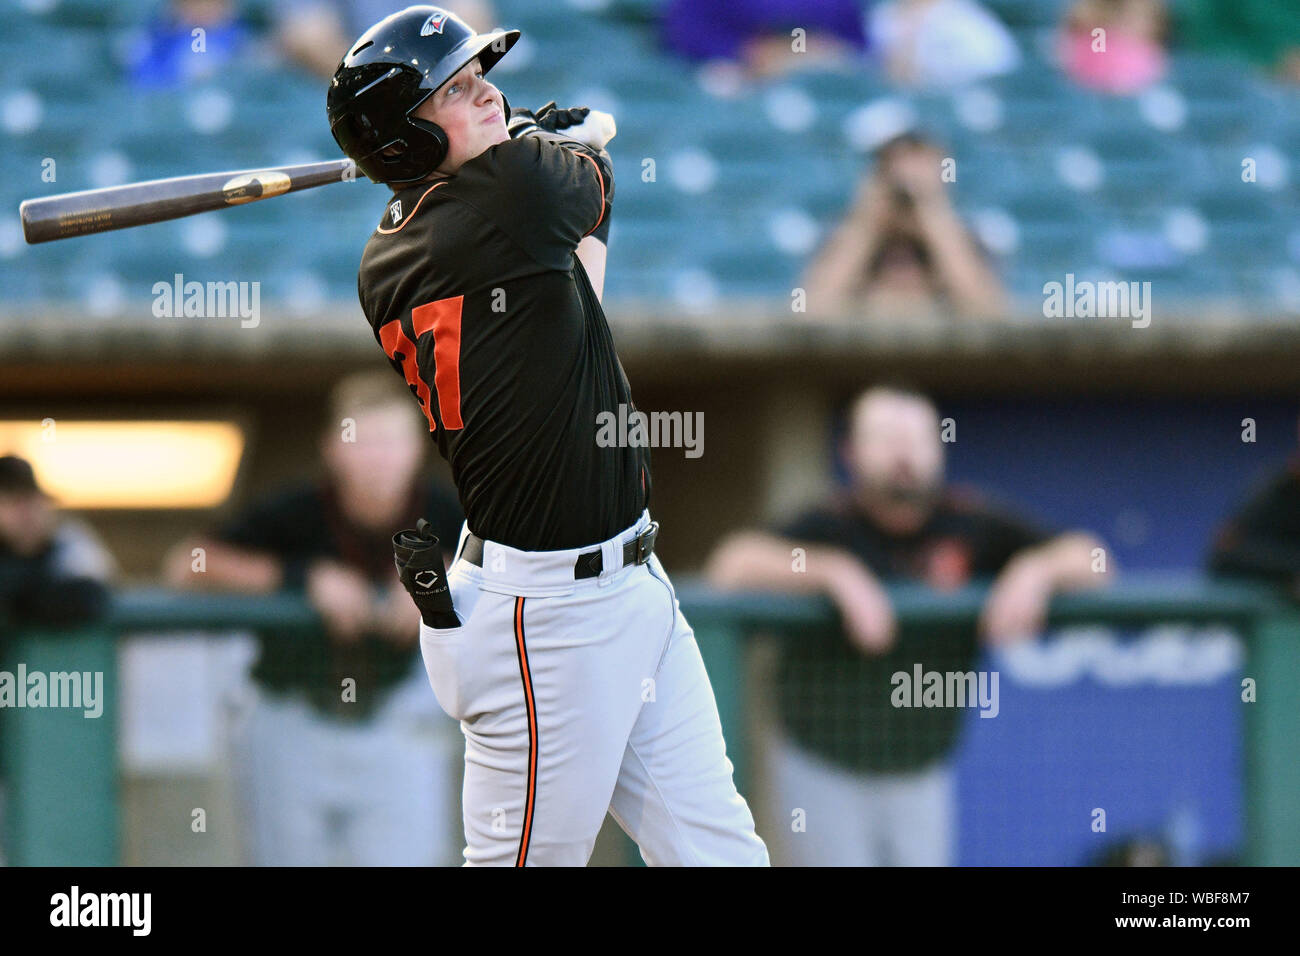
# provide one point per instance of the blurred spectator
(875, 779)
(758, 35)
(328, 775)
(315, 33)
(1261, 542)
(54, 571)
(1263, 32)
(941, 44)
(1114, 46)
(902, 250)
(187, 41)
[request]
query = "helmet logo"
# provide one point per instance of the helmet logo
(433, 25)
(395, 210)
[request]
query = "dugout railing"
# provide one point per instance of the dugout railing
(62, 768)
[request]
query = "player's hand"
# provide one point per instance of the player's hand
(863, 604)
(553, 119)
(395, 617)
(549, 118)
(342, 596)
(594, 129)
(1016, 609)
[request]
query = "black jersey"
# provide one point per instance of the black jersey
(835, 700)
(475, 293)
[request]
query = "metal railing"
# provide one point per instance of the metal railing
(62, 769)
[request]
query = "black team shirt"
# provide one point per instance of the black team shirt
(835, 700)
(474, 291)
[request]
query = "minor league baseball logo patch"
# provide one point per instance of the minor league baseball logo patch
(433, 25)
(395, 210)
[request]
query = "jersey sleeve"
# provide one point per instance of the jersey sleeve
(544, 191)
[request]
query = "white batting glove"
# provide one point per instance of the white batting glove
(589, 127)
(594, 131)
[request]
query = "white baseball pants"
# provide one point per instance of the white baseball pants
(578, 697)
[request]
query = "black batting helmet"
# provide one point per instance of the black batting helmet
(393, 68)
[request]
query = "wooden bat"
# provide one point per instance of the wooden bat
(135, 204)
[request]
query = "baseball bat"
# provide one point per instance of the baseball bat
(135, 204)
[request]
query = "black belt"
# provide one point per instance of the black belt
(589, 563)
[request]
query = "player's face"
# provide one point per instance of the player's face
(894, 447)
(385, 456)
(470, 111)
(26, 521)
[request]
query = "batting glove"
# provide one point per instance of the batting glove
(424, 575)
(555, 120)
(594, 128)
(590, 127)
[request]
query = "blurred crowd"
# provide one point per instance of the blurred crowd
(900, 249)
(1118, 46)
(1114, 45)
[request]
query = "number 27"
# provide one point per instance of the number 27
(442, 319)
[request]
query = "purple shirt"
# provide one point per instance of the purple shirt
(716, 29)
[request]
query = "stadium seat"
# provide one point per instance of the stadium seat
(724, 169)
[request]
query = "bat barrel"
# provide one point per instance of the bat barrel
(136, 204)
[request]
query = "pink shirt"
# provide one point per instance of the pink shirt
(1126, 66)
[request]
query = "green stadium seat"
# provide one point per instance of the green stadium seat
(1023, 15)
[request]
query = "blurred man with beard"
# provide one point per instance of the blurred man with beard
(873, 778)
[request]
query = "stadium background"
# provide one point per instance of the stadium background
(1133, 433)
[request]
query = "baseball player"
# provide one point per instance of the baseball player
(556, 638)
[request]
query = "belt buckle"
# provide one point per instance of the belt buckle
(645, 543)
